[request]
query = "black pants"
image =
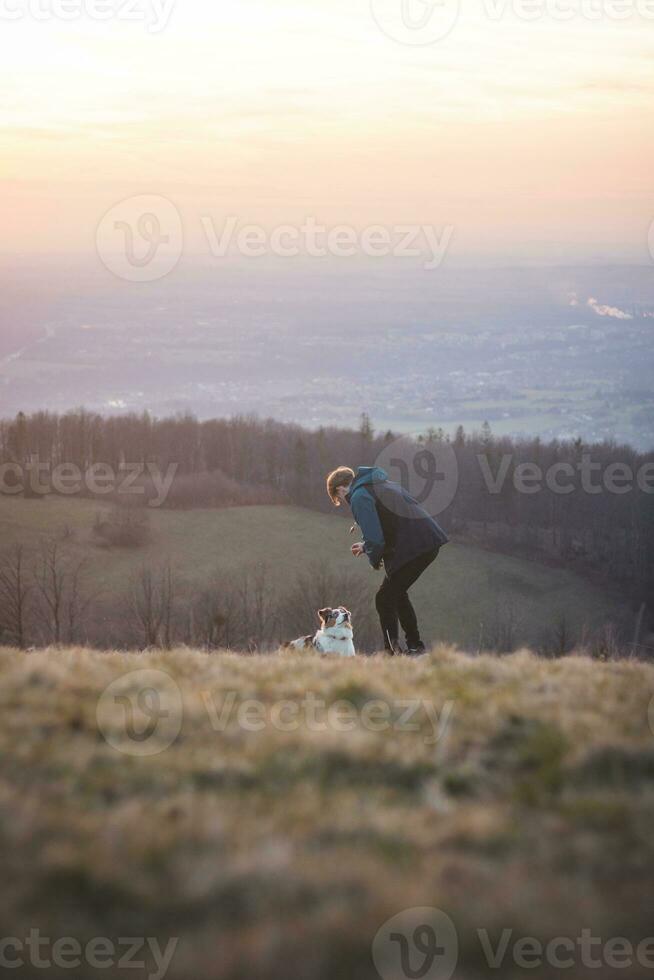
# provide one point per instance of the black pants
(393, 603)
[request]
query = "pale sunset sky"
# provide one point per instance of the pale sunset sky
(518, 134)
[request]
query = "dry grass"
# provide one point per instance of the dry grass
(278, 854)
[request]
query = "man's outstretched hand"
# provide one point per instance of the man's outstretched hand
(358, 549)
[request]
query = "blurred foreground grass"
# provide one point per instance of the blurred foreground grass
(304, 801)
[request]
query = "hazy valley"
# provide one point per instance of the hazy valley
(555, 352)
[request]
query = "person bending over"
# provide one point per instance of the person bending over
(398, 533)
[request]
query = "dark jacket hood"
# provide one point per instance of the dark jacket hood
(365, 475)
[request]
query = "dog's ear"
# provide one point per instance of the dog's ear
(324, 614)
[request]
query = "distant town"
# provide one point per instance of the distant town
(542, 356)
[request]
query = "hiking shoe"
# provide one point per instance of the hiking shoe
(417, 649)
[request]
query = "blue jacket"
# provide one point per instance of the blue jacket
(395, 528)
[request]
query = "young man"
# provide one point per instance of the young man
(396, 531)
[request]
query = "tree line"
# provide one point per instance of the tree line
(47, 597)
(584, 511)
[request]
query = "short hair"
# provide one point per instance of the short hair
(340, 477)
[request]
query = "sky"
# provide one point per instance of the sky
(527, 137)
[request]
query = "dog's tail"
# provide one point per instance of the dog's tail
(302, 644)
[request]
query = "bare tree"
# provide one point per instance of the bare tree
(62, 601)
(256, 601)
(77, 600)
(504, 628)
(49, 579)
(15, 592)
(562, 636)
(214, 615)
(152, 599)
(558, 638)
(145, 606)
(167, 587)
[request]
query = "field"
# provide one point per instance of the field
(464, 598)
(272, 813)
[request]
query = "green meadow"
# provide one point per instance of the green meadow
(464, 598)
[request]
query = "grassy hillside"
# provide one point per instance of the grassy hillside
(461, 598)
(275, 842)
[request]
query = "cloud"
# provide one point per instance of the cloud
(611, 311)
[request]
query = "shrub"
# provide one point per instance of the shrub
(122, 527)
